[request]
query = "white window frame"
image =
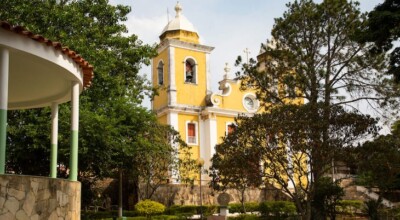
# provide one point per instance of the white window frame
(196, 73)
(158, 73)
(196, 127)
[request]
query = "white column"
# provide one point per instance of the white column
(4, 74)
(54, 140)
(172, 119)
(210, 128)
(73, 162)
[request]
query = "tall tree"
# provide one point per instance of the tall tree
(315, 56)
(113, 125)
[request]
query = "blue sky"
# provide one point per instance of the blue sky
(228, 25)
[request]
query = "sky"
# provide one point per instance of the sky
(230, 26)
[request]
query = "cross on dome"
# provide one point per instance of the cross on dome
(178, 9)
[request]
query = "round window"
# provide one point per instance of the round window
(250, 103)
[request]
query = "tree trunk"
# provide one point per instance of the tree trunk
(120, 194)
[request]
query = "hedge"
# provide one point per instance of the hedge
(188, 210)
(277, 208)
(249, 206)
(349, 207)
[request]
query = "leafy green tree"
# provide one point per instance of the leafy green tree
(114, 127)
(238, 167)
(314, 56)
(276, 146)
(327, 196)
(377, 162)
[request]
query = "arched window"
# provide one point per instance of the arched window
(160, 73)
(190, 71)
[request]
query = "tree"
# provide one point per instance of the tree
(377, 162)
(156, 158)
(383, 30)
(315, 56)
(276, 146)
(238, 167)
(113, 125)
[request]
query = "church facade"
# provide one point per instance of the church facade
(185, 101)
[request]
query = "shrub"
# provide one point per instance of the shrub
(89, 215)
(349, 207)
(277, 208)
(149, 208)
(249, 206)
(188, 210)
(244, 217)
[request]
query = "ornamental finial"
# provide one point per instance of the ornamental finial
(178, 9)
(226, 69)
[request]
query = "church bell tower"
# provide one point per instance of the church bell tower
(181, 72)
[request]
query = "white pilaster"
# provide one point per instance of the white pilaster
(210, 137)
(171, 76)
(172, 119)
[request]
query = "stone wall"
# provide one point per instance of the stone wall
(34, 198)
(179, 194)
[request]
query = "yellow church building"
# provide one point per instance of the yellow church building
(185, 101)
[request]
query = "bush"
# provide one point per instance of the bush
(349, 207)
(249, 206)
(277, 208)
(149, 208)
(244, 217)
(89, 215)
(189, 210)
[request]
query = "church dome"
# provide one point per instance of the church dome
(179, 23)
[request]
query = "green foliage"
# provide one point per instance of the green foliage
(189, 210)
(89, 215)
(349, 207)
(249, 207)
(327, 197)
(116, 132)
(383, 30)
(149, 208)
(277, 208)
(314, 57)
(377, 162)
(244, 217)
(372, 208)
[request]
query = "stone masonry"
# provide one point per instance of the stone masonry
(35, 198)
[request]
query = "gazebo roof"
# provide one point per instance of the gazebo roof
(40, 70)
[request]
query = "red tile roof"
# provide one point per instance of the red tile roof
(86, 67)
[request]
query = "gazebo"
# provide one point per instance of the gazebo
(34, 73)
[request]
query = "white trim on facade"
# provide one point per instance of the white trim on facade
(256, 103)
(184, 45)
(172, 94)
